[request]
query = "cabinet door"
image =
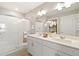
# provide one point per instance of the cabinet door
(30, 46)
(48, 51)
(37, 48)
(34, 47)
(61, 54)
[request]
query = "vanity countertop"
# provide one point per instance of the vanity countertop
(69, 41)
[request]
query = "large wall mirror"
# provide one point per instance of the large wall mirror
(52, 25)
(66, 25)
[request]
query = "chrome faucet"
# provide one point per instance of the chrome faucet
(62, 36)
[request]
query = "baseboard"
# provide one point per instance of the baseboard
(10, 52)
(14, 50)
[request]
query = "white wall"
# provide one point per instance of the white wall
(24, 26)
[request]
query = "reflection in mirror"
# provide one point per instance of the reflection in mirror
(53, 26)
(64, 25)
(2, 27)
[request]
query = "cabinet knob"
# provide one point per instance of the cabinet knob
(32, 44)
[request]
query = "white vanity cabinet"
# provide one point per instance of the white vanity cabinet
(70, 51)
(52, 49)
(47, 51)
(46, 47)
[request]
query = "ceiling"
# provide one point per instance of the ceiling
(48, 6)
(51, 11)
(30, 9)
(22, 7)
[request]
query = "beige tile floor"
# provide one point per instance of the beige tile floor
(22, 52)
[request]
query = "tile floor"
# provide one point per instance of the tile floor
(22, 52)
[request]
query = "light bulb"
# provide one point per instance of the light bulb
(54, 23)
(59, 6)
(68, 4)
(3, 25)
(43, 12)
(39, 13)
(50, 25)
(65, 4)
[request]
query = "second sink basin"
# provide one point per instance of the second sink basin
(65, 40)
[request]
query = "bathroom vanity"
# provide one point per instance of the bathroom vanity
(52, 46)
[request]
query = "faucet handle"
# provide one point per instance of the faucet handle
(62, 36)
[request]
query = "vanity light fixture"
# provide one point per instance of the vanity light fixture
(39, 13)
(68, 4)
(51, 24)
(60, 5)
(54, 22)
(42, 12)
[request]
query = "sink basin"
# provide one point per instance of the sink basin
(65, 40)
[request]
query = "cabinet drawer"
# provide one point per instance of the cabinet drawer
(70, 50)
(52, 45)
(61, 54)
(38, 40)
(65, 49)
